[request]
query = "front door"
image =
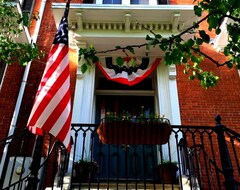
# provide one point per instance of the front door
(125, 161)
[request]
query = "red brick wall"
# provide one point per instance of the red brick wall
(199, 106)
(180, 2)
(8, 96)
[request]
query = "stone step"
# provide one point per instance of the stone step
(124, 186)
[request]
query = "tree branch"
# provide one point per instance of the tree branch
(233, 18)
(211, 59)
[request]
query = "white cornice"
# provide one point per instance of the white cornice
(120, 17)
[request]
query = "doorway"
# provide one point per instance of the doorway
(124, 161)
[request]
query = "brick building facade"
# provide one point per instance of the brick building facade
(197, 105)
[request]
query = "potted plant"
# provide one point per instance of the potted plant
(84, 170)
(166, 172)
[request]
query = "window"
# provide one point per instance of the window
(139, 2)
(88, 1)
(27, 5)
(2, 71)
(112, 1)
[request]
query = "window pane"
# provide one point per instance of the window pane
(112, 1)
(162, 2)
(27, 5)
(139, 2)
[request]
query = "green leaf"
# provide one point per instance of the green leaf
(132, 62)
(213, 22)
(199, 41)
(163, 46)
(131, 49)
(184, 60)
(226, 51)
(191, 77)
(230, 65)
(238, 66)
(198, 10)
(190, 43)
(94, 58)
(84, 68)
(218, 31)
(119, 61)
(155, 42)
(158, 36)
(178, 39)
(148, 38)
(205, 37)
(194, 59)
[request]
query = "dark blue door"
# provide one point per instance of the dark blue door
(124, 161)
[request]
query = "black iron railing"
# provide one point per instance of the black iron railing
(206, 158)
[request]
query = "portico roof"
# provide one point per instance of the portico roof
(106, 26)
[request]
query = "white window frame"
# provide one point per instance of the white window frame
(127, 2)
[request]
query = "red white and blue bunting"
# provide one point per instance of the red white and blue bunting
(131, 72)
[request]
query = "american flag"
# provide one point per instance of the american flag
(51, 110)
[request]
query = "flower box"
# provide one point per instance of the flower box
(128, 132)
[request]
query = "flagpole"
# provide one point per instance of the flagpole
(33, 180)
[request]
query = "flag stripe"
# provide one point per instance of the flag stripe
(55, 129)
(51, 106)
(56, 112)
(54, 63)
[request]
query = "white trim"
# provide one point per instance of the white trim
(126, 92)
(2, 77)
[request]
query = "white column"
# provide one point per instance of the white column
(175, 109)
(168, 102)
(125, 2)
(83, 106)
(153, 2)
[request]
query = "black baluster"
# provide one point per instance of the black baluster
(227, 168)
